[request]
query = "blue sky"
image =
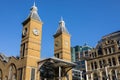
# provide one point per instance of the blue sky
(86, 20)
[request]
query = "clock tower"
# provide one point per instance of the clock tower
(62, 44)
(31, 45)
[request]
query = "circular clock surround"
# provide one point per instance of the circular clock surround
(24, 32)
(66, 43)
(57, 43)
(35, 31)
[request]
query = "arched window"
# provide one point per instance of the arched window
(0, 74)
(95, 76)
(92, 67)
(119, 59)
(95, 54)
(113, 75)
(100, 51)
(104, 61)
(113, 60)
(100, 64)
(12, 72)
(104, 76)
(95, 65)
(109, 61)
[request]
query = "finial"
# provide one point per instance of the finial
(34, 3)
(61, 18)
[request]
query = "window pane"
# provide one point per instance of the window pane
(33, 74)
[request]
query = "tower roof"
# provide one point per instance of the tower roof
(61, 27)
(33, 14)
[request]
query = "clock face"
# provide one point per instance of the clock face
(66, 43)
(24, 32)
(35, 31)
(56, 44)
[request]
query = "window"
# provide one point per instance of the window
(105, 51)
(95, 76)
(118, 42)
(100, 63)
(103, 76)
(113, 49)
(14, 77)
(119, 59)
(90, 55)
(100, 51)
(109, 50)
(95, 65)
(32, 74)
(86, 53)
(113, 75)
(104, 62)
(92, 66)
(23, 50)
(12, 72)
(95, 54)
(113, 60)
(20, 72)
(57, 55)
(109, 61)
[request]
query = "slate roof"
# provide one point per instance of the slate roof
(62, 27)
(4, 58)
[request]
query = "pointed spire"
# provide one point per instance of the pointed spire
(34, 3)
(34, 13)
(62, 27)
(61, 18)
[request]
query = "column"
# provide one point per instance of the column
(106, 72)
(116, 74)
(87, 77)
(80, 75)
(111, 49)
(60, 78)
(91, 76)
(108, 51)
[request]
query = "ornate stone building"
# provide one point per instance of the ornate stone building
(104, 60)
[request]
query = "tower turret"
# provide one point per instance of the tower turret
(62, 42)
(31, 44)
